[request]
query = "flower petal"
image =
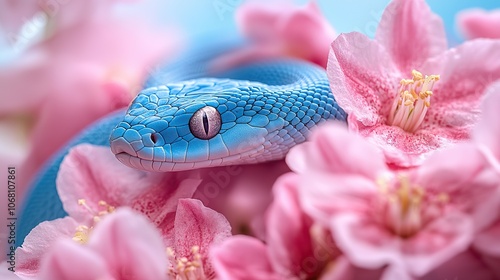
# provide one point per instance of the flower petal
(14, 14)
(477, 23)
(197, 225)
(39, 241)
(369, 245)
(325, 195)
(284, 29)
(327, 149)
(487, 130)
(59, 263)
(411, 33)
(466, 72)
(471, 185)
(242, 257)
(437, 243)
(291, 246)
(130, 245)
(401, 148)
(84, 174)
(342, 269)
(487, 241)
(6, 273)
(362, 77)
(467, 264)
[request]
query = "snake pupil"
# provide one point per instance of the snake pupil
(205, 122)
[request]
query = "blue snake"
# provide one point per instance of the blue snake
(189, 117)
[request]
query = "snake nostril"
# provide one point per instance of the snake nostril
(154, 138)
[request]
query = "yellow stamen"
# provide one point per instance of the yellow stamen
(412, 102)
(186, 268)
(82, 231)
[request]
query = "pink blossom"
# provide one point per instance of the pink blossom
(88, 191)
(487, 137)
(124, 245)
(88, 66)
(13, 14)
(476, 23)
(412, 220)
(194, 231)
(295, 248)
(243, 257)
(239, 195)
(281, 30)
(89, 194)
(405, 91)
(487, 131)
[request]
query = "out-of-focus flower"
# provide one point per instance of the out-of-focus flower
(239, 195)
(281, 30)
(487, 137)
(404, 91)
(14, 14)
(6, 272)
(413, 220)
(125, 245)
(487, 131)
(89, 64)
(243, 257)
(295, 249)
(478, 23)
(88, 192)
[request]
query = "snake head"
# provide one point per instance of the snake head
(199, 124)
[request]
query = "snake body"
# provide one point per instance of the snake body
(256, 112)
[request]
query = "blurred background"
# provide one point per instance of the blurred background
(195, 17)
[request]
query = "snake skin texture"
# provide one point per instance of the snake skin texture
(265, 109)
(260, 120)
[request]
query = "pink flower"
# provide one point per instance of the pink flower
(487, 131)
(93, 174)
(239, 195)
(92, 183)
(296, 248)
(6, 272)
(90, 65)
(243, 257)
(194, 231)
(413, 220)
(124, 245)
(281, 30)
(477, 23)
(404, 91)
(487, 137)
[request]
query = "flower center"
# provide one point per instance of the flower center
(413, 100)
(186, 268)
(82, 231)
(407, 208)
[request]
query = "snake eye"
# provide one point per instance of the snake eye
(205, 123)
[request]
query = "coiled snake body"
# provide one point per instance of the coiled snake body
(183, 120)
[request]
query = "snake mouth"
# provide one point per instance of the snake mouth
(163, 166)
(148, 165)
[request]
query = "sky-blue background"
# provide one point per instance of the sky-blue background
(203, 15)
(195, 17)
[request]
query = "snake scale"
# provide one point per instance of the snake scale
(188, 116)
